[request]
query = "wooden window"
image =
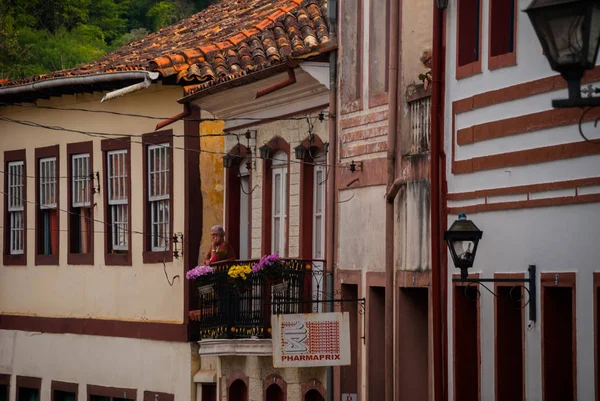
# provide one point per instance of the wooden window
(28, 388)
(467, 375)
(502, 33)
(376, 348)
(275, 190)
(63, 391)
(279, 203)
(117, 181)
(157, 396)
(510, 340)
(559, 342)
(468, 38)
(16, 208)
(47, 220)
(158, 190)
(81, 210)
(4, 386)
(101, 393)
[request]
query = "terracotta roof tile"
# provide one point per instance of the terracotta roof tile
(224, 42)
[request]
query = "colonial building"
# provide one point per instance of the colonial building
(108, 204)
(525, 176)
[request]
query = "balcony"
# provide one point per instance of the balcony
(241, 309)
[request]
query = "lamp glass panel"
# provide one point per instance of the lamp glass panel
(464, 250)
(594, 40)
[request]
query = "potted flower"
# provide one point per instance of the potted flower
(269, 266)
(238, 275)
(198, 272)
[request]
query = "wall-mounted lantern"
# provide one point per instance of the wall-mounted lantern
(264, 152)
(441, 4)
(463, 238)
(228, 161)
(300, 151)
(569, 32)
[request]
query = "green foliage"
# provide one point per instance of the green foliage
(39, 36)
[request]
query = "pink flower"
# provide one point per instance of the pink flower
(198, 271)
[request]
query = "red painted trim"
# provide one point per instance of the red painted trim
(96, 327)
(40, 153)
(372, 117)
(275, 380)
(565, 280)
(497, 382)
(525, 157)
(357, 65)
(148, 255)
(596, 287)
(64, 387)
(28, 382)
(561, 201)
(112, 259)
(5, 380)
(79, 258)
(523, 189)
(112, 392)
(457, 334)
(158, 396)
(470, 69)
(275, 144)
(413, 279)
(7, 258)
(507, 59)
(193, 210)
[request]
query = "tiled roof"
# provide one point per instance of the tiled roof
(225, 41)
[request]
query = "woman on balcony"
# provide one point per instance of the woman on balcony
(220, 249)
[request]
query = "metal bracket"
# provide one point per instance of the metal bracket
(531, 291)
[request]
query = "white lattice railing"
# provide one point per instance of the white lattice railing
(420, 123)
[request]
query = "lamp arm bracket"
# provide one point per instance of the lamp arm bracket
(531, 289)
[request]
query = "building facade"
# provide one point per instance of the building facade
(523, 174)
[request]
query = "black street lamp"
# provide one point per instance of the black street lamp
(228, 161)
(462, 238)
(264, 151)
(569, 32)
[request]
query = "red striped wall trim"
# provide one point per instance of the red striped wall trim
(365, 133)
(96, 327)
(523, 189)
(524, 157)
(521, 124)
(374, 172)
(510, 93)
(364, 119)
(491, 207)
(359, 150)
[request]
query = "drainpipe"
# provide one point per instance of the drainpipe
(278, 85)
(437, 270)
(389, 206)
(186, 112)
(331, 181)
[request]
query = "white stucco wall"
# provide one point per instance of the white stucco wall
(560, 238)
(106, 361)
(137, 292)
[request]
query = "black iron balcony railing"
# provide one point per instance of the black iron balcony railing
(235, 308)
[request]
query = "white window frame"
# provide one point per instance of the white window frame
(118, 201)
(47, 182)
(318, 224)
(279, 171)
(81, 180)
(16, 207)
(159, 196)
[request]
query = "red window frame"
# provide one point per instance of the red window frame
(47, 259)
(466, 15)
(496, 35)
(8, 259)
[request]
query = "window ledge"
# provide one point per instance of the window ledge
(236, 347)
(117, 260)
(46, 260)
(502, 60)
(467, 70)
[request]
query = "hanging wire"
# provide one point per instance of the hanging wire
(202, 119)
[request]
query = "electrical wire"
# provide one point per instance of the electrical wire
(321, 116)
(126, 138)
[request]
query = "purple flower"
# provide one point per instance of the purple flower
(198, 271)
(266, 261)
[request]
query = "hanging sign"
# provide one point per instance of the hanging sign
(311, 339)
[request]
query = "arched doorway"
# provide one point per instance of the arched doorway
(274, 393)
(238, 391)
(313, 395)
